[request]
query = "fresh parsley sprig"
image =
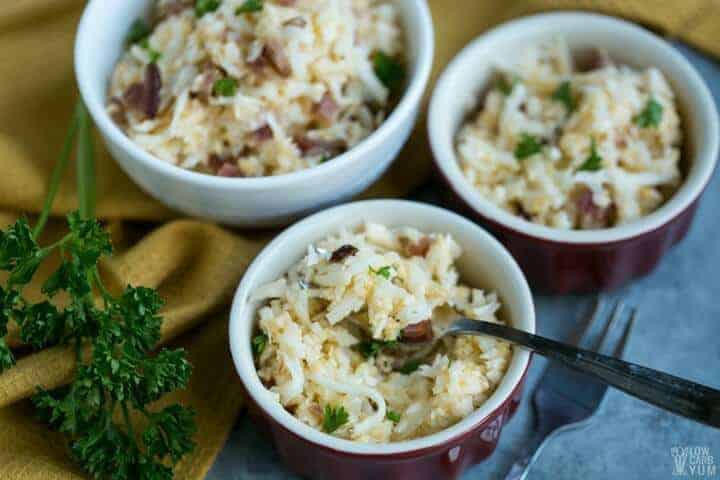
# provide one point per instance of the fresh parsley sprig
(113, 337)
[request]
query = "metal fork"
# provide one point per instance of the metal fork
(565, 400)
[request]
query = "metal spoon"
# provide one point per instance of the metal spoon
(677, 395)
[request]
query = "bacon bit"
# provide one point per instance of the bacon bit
(313, 147)
(275, 54)
(342, 253)
(215, 162)
(326, 109)
(117, 111)
(299, 22)
(287, 3)
(145, 97)
(418, 332)
(595, 59)
(621, 143)
(229, 170)
(418, 249)
(263, 133)
(590, 214)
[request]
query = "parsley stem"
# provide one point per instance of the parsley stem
(85, 164)
(57, 174)
(59, 243)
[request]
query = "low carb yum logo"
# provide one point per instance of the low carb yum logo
(697, 462)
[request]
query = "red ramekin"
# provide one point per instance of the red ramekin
(573, 261)
(314, 454)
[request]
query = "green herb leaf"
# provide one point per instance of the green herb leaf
(371, 348)
(594, 161)
(225, 87)
(393, 416)
(409, 367)
(16, 243)
(170, 433)
(259, 342)
(385, 272)
(41, 325)
(138, 32)
(651, 116)
(7, 359)
(334, 418)
(249, 6)
(564, 94)
(527, 147)
(390, 72)
(206, 6)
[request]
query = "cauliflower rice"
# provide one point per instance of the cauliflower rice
(574, 146)
(330, 329)
(257, 87)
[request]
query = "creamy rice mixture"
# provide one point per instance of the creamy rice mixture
(574, 143)
(329, 344)
(258, 87)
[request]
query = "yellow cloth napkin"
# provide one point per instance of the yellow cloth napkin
(195, 265)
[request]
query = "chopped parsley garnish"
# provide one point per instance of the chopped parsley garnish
(594, 160)
(334, 418)
(393, 416)
(385, 271)
(249, 6)
(650, 116)
(324, 158)
(225, 87)
(564, 94)
(527, 147)
(505, 86)
(409, 367)
(139, 31)
(206, 6)
(259, 342)
(154, 54)
(390, 72)
(371, 348)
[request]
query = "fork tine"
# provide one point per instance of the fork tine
(586, 337)
(629, 327)
(608, 337)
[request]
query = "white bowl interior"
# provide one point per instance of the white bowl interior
(100, 44)
(485, 263)
(457, 93)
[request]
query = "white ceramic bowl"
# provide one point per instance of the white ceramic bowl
(456, 95)
(255, 202)
(484, 263)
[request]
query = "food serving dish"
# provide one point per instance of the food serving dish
(261, 201)
(312, 453)
(564, 261)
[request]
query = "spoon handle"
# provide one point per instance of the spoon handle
(675, 394)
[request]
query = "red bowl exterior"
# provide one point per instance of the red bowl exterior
(443, 461)
(563, 268)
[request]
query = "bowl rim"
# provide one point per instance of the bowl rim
(411, 98)
(326, 221)
(705, 157)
